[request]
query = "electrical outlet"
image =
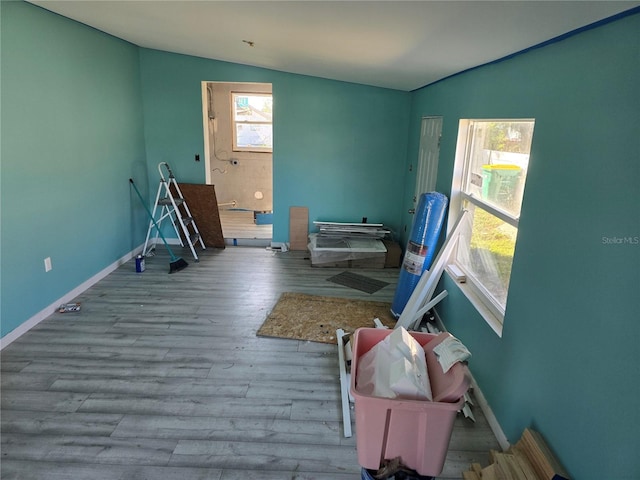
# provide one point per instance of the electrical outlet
(197, 157)
(47, 264)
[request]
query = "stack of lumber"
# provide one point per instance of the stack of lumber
(352, 230)
(529, 459)
(349, 245)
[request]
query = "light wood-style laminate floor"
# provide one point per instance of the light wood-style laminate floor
(239, 224)
(162, 377)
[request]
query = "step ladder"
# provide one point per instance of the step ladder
(172, 205)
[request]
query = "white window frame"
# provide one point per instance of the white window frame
(234, 123)
(492, 312)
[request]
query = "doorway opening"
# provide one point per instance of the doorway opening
(238, 126)
(428, 159)
(428, 156)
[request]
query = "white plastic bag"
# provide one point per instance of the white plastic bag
(395, 368)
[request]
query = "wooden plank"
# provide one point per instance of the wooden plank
(193, 405)
(267, 356)
(74, 448)
(259, 429)
(59, 470)
(24, 381)
(263, 455)
(295, 373)
(119, 368)
(42, 400)
(298, 228)
(541, 457)
(503, 467)
(470, 475)
(301, 389)
(517, 469)
(493, 455)
(150, 386)
(13, 366)
(84, 339)
(59, 423)
(489, 473)
(46, 350)
(54, 470)
(525, 465)
(321, 410)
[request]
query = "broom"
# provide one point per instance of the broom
(177, 263)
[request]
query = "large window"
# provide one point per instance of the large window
(492, 159)
(252, 122)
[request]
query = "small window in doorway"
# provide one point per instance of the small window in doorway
(492, 159)
(252, 122)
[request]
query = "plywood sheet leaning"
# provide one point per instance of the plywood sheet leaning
(298, 227)
(203, 205)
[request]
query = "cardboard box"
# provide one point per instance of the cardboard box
(298, 227)
(394, 254)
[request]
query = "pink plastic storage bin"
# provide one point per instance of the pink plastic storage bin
(417, 431)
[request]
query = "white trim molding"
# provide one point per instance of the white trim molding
(45, 312)
(280, 246)
(482, 401)
(488, 414)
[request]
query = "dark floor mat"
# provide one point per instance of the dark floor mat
(358, 282)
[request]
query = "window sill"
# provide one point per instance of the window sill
(492, 320)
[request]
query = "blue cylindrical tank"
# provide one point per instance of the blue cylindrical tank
(421, 246)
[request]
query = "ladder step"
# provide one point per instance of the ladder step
(164, 208)
(167, 201)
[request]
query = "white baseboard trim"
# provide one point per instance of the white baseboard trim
(45, 312)
(281, 246)
(482, 402)
(488, 414)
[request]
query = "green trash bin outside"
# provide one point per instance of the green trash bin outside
(499, 181)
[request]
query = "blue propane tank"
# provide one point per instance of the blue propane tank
(421, 246)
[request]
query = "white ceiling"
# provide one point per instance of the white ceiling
(396, 44)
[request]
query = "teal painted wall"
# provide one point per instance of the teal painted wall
(339, 148)
(567, 362)
(71, 137)
(73, 132)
